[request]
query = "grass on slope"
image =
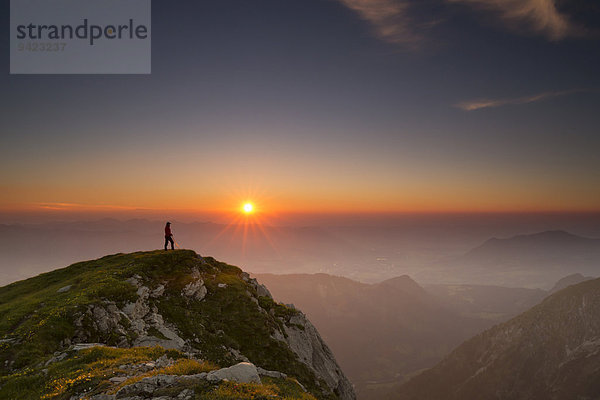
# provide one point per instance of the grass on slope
(89, 371)
(35, 318)
(38, 317)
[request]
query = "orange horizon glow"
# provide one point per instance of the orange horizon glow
(248, 208)
(282, 184)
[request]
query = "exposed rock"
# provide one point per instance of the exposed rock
(222, 285)
(107, 319)
(64, 289)
(147, 385)
(238, 355)
(272, 374)
(84, 346)
(103, 397)
(243, 372)
(186, 394)
(58, 356)
(140, 317)
(261, 290)
(196, 288)
(138, 310)
(190, 379)
(312, 351)
(158, 291)
(164, 361)
(135, 281)
(172, 341)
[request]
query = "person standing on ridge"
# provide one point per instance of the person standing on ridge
(169, 236)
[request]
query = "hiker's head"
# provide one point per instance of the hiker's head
(168, 224)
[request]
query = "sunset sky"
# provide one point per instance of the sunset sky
(321, 106)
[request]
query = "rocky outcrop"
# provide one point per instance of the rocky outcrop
(137, 324)
(261, 290)
(304, 340)
(146, 387)
(195, 289)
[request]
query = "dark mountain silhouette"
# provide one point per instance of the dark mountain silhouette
(550, 352)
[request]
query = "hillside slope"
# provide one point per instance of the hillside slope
(550, 352)
(147, 323)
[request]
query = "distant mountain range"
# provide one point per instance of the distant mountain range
(536, 260)
(383, 333)
(551, 352)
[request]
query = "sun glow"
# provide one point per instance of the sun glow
(248, 208)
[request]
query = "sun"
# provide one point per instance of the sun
(248, 208)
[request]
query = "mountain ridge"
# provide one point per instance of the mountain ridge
(197, 312)
(551, 351)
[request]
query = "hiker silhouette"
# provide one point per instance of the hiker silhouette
(169, 236)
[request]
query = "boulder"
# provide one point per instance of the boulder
(64, 289)
(243, 372)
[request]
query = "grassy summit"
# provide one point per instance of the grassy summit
(123, 300)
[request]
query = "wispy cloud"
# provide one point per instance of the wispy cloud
(538, 16)
(77, 206)
(395, 21)
(389, 18)
(491, 103)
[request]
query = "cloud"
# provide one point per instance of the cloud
(77, 206)
(400, 22)
(389, 18)
(491, 103)
(537, 16)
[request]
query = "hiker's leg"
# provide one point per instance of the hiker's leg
(172, 243)
(166, 242)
